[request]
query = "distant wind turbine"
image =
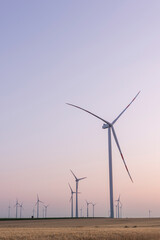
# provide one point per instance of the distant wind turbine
(118, 207)
(37, 203)
(93, 204)
(16, 206)
(88, 203)
(110, 128)
(45, 210)
(71, 200)
(77, 181)
(121, 209)
(21, 208)
(9, 210)
(81, 211)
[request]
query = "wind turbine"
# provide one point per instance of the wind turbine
(21, 208)
(81, 211)
(16, 205)
(116, 209)
(88, 208)
(37, 203)
(45, 210)
(117, 206)
(93, 204)
(9, 210)
(71, 199)
(77, 181)
(110, 129)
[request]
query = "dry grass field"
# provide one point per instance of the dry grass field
(80, 229)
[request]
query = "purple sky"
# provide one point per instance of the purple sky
(96, 54)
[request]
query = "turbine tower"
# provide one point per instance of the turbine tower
(109, 126)
(121, 210)
(88, 208)
(9, 210)
(77, 181)
(37, 203)
(21, 208)
(71, 199)
(93, 204)
(81, 211)
(118, 207)
(16, 205)
(45, 210)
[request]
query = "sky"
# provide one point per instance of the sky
(96, 54)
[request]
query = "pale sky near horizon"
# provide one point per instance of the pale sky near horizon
(95, 54)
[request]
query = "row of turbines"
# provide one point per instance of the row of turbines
(76, 192)
(20, 206)
(107, 125)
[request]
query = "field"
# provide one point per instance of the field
(78, 229)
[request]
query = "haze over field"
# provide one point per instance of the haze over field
(95, 54)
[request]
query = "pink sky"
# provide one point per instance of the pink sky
(96, 54)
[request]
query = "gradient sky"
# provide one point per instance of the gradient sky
(96, 54)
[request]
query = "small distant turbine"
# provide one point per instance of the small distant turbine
(88, 203)
(149, 213)
(16, 206)
(77, 181)
(45, 210)
(71, 199)
(109, 126)
(81, 212)
(118, 202)
(21, 208)
(37, 203)
(121, 209)
(9, 210)
(93, 204)
(116, 210)
(118, 206)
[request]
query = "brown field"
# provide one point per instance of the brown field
(78, 229)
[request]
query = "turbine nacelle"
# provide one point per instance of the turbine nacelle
(105, 125)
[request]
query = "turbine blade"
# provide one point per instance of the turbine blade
(73, 174)
(89, 113)
(116, 140)
(79, 179)
(125, 109)
(70, 188)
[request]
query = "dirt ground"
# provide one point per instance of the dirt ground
(80, 229)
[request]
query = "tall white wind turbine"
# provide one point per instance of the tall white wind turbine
(71, 200)
(77, 181)
(110, 129)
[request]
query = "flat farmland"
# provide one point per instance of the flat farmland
(77, 229)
